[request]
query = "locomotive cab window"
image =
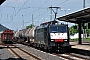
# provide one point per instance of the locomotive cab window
(53, 29)
(62, 29)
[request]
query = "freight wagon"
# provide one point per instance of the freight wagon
(7, 36)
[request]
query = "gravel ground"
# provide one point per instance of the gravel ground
(5, 54)
(40, 54)
(24, 55)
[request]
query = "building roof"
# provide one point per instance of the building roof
(81, 16)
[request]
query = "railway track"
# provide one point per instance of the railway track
(20, 53)
(70, 56)
(24, 55)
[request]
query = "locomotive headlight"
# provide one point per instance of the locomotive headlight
(52, 40)
(65, 40)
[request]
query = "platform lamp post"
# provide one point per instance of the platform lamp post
(84, 24)
(65, 12)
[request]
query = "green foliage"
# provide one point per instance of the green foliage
(87, 30)
(76, 39)
(88, 39)
(72, 30)
(29, 26)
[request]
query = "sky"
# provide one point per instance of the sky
(16, 14)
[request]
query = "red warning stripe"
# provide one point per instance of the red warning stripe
(59, 40)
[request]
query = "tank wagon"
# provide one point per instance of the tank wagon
(19, 36)
(16, 36)
(7, 36)
(22, 36)
(27, 35)
(31, 35)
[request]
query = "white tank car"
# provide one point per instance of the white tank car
(16, 34)
(23, 33)
(31, 34)
(27, 32)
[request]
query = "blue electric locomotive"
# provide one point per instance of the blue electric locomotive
(52, 36)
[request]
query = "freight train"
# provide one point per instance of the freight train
(7, 36)
(48, 36)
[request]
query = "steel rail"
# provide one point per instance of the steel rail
(16, 54)
(29, 54)
(64, 57)
(77, 56)
(24, 52)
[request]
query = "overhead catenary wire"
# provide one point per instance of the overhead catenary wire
(32, 7)
(18, 11)
(20, 8)
(37, 9)
(6, 5)
(26, 7)
(62, 2)
(26, 15)
(40, 7)
(41, 14)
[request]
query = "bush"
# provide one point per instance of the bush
(88, 39)
(74, 39)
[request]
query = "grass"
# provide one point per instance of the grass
(88, 39)
(74, 39)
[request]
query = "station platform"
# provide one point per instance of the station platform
(83, 46)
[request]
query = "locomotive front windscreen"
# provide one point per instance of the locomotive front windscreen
(58, 32)
(61, 29)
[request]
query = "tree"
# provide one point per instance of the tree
(72, 30)
(29, 26)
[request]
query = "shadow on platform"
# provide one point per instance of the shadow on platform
(86, 44)
(80, 51)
